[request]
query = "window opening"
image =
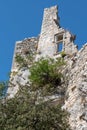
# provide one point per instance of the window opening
(58, 38)
(59, 42)
(59, 46)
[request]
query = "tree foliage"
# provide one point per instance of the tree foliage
(46, 74)
(3, 86)
(24, 113)
(28, 110)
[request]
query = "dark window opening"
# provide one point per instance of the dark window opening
(58, 38)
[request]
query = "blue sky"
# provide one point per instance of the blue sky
(20, 19)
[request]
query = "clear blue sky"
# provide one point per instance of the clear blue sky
(20, 19)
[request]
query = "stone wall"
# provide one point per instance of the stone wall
(19, 76)
(52, 34)
(76, 96)
(27, 46)
(50, 25)
(75, 71)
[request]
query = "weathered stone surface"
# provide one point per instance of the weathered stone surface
(76, 102)
(28, 45)
(52, 35)
(21, 78)
(76, 69)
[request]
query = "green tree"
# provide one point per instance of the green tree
(46, 75)
(24, 113)
(28, 110)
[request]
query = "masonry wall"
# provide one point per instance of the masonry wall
(28, 45)
(76, 95)
(50, 25)
(47, 45)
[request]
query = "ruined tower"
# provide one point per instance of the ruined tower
(53, 38)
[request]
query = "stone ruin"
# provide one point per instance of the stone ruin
(54, 39)
(28, 45)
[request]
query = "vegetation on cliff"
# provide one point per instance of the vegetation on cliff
(3, 87)
(31, 109)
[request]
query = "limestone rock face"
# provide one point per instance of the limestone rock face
(48, 45)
